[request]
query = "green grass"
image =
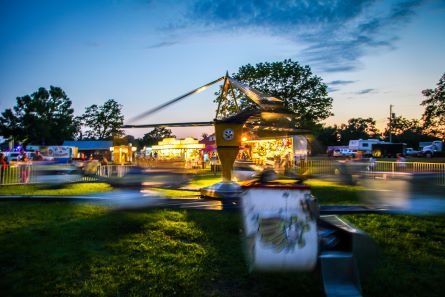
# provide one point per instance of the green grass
(204, 180)
(328, 192)
(65, 190)
(61, 248)
(69, 249)
(412, 254)
(175, 193)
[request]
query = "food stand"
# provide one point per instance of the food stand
(122, 154)
(172, 149)
(278, 152)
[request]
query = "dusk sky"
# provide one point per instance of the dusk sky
(143, 53)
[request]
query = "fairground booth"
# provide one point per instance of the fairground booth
(95, 148)
(122, 154)
(281, 151)
(171, 149)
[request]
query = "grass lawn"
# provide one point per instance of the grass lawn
(62, 248)
(328, 192)
(65, 190)
(175, 193)
(204, 180)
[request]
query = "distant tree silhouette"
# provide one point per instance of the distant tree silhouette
(43, 118)
(434, 114)
(103, 122)
(154, 136)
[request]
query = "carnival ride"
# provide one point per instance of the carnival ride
(267, 116)
(283, 226)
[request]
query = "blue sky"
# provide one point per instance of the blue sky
(142, 53)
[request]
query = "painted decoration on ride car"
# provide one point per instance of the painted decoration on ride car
(280, 229)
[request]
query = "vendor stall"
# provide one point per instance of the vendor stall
(171, 149)
(122, 154)
(277, 152)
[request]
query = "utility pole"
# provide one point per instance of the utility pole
(390, 123)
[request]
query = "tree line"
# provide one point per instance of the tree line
(431, 126)
(403, 130)
(46, 117)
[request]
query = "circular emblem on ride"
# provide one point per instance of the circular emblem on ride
(228, 134)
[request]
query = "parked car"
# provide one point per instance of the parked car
(411, 152)
(14, 156)
(342, 153)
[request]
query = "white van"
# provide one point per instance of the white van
(363, 145)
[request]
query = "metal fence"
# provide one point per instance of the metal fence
(435, 170)
(113, 170)
(332, 167)
(32, 174)
(29, 174)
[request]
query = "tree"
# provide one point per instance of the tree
(302, 92)
(125, 140)
(407, 131)
(104, 121)
(327, 135)
(434, 114)
(154, 136)
(400, 125)
(358, 128)
(43, 118)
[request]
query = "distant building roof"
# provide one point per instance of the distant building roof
(90, 144)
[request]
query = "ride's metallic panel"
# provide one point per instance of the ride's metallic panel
(347, 256)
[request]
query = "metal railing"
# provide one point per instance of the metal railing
(22, 174)
(436, 170)
(113, 170)
(29, 174)
(331, 167)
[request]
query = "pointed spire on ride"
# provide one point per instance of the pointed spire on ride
(264, 102)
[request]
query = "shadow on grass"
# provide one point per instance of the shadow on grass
(74, 249)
